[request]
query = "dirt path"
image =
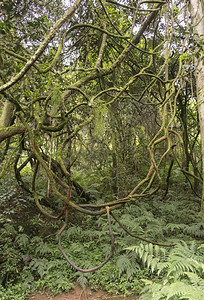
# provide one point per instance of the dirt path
(78, 294)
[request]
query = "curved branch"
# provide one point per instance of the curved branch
(121, 57)
(99, 29)
(120, 4)
(87, 121)
(138, 236)
(44, 211)
(55, 57)
(7, 132)
(18, 170)
(147, 240)
(20, 57)
(104, 262)
(109, 17)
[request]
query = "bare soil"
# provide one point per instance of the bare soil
(79, 294)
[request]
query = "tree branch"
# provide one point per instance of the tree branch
(7, 132)
(42, 47)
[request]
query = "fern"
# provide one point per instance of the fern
(82, 279)
(195, 279)
(73, 232)
(130, 223)
(153, 226)
(195, 229)
(183, 258)
(43, 248)
(174, 291)
(39, 265)
(175, 228)
(126, 265)
(149, 254)
(22, 240)
(182, 273)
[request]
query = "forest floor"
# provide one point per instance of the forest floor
(79, 294)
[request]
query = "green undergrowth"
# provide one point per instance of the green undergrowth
(179, 272)
(30, 259)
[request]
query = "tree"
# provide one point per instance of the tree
(197, 13)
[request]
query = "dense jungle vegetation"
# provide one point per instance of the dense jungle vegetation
(102, 147)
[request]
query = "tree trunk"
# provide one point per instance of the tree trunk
(5, 119)
(197, 17)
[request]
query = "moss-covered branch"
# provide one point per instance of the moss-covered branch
(7, 132)
(42, 47)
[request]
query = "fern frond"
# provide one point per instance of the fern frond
(149, 254)
(171, 227)
(43, 248)
(183, 258)
(39, 265)
(73, 231)
(162, 266)
(183, 272)
(195, 279)
(193, 294)
(125, 264)
(194, 229)
(177, 288)
(22, 239)
(82, 280)
(184, 291)
(152, 291)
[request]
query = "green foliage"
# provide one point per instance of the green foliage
(149, 254)
(31, 262)
(179, 271)
(126, 265)
(116, 279)
(13, 292)
(31, 259)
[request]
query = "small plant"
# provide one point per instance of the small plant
(13, 292)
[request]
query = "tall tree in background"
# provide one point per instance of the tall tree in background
(197, 16)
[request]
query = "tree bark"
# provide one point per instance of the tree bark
(5, 119)
(6, 132)
(197, 17)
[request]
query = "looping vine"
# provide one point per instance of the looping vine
(65, 255)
